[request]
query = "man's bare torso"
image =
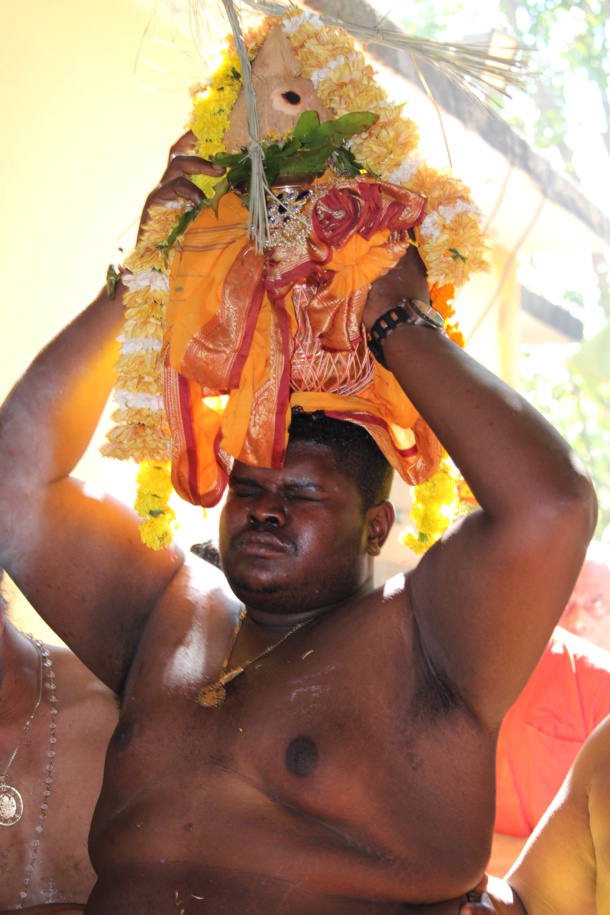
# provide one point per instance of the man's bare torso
(86, 716)
(338, 775)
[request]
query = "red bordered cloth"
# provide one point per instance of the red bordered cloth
(233, 330)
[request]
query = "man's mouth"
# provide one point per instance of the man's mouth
(262, 543)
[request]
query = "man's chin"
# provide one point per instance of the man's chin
(251, 591)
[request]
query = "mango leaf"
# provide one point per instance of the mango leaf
(220, 189)
(185, 220)
(306, 125)
(340, 129)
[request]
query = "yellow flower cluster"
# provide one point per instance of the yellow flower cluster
(152, 504)
(211, 111)
(433, 508)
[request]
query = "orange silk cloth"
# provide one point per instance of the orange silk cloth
(232, 330)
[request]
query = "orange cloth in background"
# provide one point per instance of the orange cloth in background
(566, 697)
(231, 326)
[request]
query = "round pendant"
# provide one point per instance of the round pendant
(212, 696)
(11, 805)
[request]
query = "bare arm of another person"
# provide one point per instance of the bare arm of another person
(562, 869)
(74, 553)
(504, 852)
(487, 597)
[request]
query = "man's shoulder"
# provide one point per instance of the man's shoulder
(393, 589)
(198, 589)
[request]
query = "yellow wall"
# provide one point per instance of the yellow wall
(81, 147)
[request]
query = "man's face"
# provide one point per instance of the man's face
(588, 611)
(295, 539)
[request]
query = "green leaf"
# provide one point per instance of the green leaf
(306, 125)
(220, 189)
(185, 220)
(455, 254)
(341, 129)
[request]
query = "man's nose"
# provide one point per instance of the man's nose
(268, 508)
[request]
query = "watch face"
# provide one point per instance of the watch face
(427, 314)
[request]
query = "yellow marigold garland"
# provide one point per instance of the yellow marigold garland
(152, 503)
(141, 430)
(211, 110)
(433, 508)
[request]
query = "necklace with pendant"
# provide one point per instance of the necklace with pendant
(11, 801)
(214, 694)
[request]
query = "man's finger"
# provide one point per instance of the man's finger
(185, 145)
(190, 165)
(171, 190)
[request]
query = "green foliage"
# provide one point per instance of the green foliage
(580, 411)
(306, 152)
(565, 36)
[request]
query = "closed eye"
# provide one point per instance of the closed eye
(244, 488)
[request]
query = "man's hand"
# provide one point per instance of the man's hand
(407, 280)
(492, 896)
(478, 900)
(175, 182)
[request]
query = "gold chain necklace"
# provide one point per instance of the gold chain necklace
(11, 802)
(214, 694)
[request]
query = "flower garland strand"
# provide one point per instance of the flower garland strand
(434, 508)
(141, 430)
(152, 504)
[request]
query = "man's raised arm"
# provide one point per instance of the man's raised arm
(488, 595)
(74, 553)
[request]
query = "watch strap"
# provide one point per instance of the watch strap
(408, 311)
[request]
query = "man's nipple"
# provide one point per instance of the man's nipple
(301, 756)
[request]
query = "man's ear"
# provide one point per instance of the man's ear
(380, 519)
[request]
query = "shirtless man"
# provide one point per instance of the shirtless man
(85, 713)
(350, 767)
(563, 870)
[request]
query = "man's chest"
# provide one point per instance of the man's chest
(320, 744)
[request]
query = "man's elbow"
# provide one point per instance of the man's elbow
(584, 497)
(572, 503)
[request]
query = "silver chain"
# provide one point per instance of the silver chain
(30, 719)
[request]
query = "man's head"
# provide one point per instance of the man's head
(588, 611)
(303, 537)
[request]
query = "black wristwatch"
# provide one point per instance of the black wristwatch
(409, 311)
